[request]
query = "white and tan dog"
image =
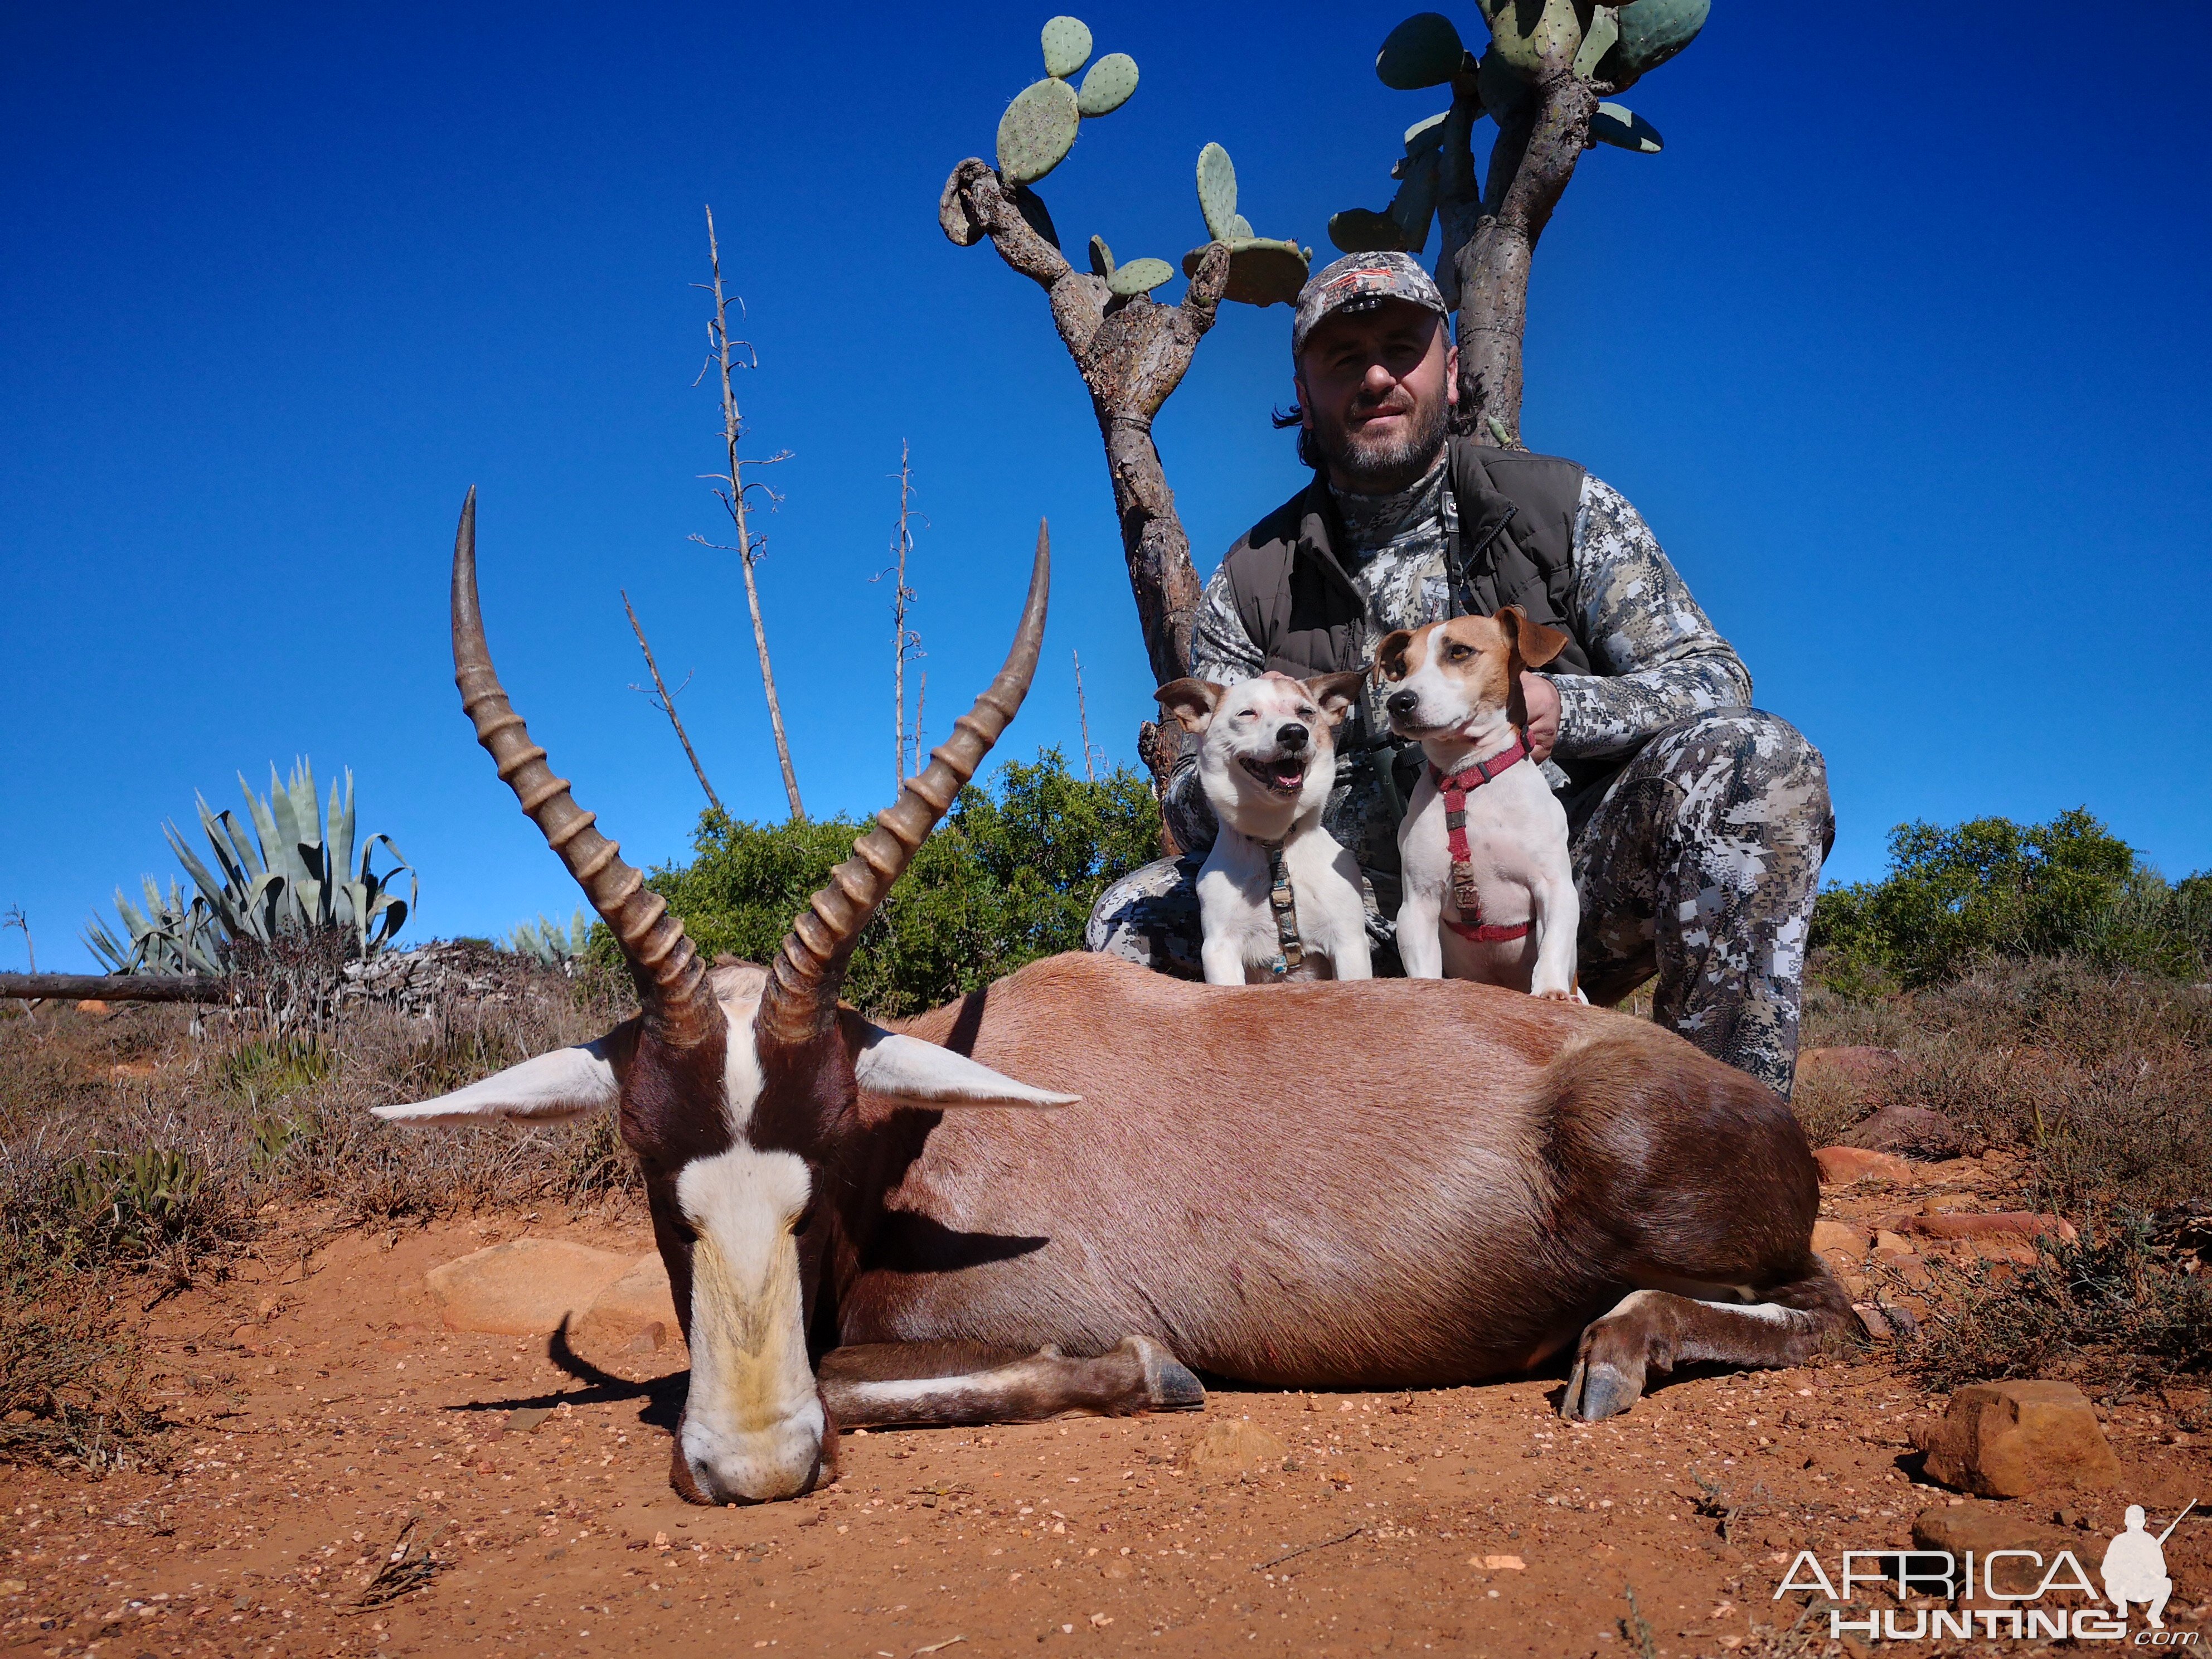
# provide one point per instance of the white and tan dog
(1278, 897)
(1489, 881)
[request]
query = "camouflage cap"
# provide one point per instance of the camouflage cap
(1360, 282)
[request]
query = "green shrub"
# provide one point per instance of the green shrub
(1009, 876)
(1960, 895)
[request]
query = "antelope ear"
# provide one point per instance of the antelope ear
(904, 1070)
(1191, 701)
(565, 1084)
(1390, 656)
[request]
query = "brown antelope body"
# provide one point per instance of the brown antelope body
(1062, 1192)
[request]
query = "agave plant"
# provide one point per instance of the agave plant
(544, 940)
(293, 874)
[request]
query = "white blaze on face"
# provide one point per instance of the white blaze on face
(752, 1422)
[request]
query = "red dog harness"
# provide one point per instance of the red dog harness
(1455, 788)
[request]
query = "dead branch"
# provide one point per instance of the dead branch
(665, 700)
(732, 492)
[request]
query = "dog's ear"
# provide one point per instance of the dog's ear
(1336, 693)
(1390, 656)
(1191, 701)
(1536, 643)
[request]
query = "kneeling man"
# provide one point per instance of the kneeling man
(1698, 822)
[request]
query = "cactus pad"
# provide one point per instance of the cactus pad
(1109, 84)
(1597, 40)
(1617, 124)
(1426, 135)
(1139, 276)
(1415, 204)
(1528, 32)
(1217, 192)
(952, 217)
(1102, 258)
(1262, 272)
(1036, 132)
(1500, 84)
(1066, 46)
(1363, 230)
(1651, 31)
(1031, 206)
(1424, 51)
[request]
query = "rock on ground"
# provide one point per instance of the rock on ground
(1841, 1166)
(525, 1287)
(631, 1327)
(1231, 1447)
(1982, 1527)
(2008, 1439)
(1906, 1129)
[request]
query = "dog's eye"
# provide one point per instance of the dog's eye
(1308, 713)
(1459, 654)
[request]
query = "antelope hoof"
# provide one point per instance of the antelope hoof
(1169, 1384)
(1596, 1391)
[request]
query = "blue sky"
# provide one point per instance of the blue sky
(1903, 358)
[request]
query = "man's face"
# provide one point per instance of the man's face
(1376, 387)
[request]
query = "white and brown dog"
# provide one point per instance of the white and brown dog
(1489, 883)
(1278, 898)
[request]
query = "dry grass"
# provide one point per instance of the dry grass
(2101, 1082)
(138, 1151)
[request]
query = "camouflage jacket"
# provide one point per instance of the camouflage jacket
(1654, 658)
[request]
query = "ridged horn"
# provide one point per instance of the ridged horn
(670, 978)
(800, 1001)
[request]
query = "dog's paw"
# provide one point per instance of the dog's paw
(1557, 996)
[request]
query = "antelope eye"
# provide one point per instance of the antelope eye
(805, 1218)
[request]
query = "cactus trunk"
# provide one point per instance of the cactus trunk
(1538, 145)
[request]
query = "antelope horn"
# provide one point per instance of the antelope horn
(800, 1000)
(670, 978)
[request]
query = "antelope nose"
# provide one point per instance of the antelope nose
(1292, 737)
(1401, 704)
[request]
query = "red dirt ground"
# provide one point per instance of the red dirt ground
(320, 1404)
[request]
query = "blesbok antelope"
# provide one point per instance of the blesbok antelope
(1056, 1193)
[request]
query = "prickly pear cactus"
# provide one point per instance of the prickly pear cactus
(1424, 51)
(1217, 192)
(1031, 206)
(952, 216)
(1066, 46)
(1139, 276)
(1415, 204)
(1102, 258)
(1527, 32)
(1427, 134)
(1037, 131)
(1261, 272)
(1500, 84)
(1363, 230)
(1617, 124)
(1651, 31)
(1108, 86)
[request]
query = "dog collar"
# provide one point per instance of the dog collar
(1283, 902)
(1454, 786)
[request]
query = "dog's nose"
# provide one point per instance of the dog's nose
(1292, 736)
(1401, 704)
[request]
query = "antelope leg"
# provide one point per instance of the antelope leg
(1658, 1330)
(902, 1385)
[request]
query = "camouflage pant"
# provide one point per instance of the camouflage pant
(1697, 863)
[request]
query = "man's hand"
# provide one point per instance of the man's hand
(1542, 698)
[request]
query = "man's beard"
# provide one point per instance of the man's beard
(1381, 466)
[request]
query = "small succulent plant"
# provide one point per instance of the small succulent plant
(1611, 45)
(1262, 271)
(1040, 126)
